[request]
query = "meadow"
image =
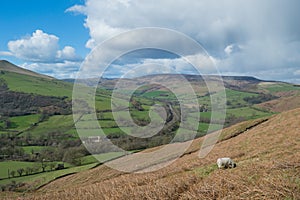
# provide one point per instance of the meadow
(44, 133)
(29, 84)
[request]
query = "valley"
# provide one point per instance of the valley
(38, 134)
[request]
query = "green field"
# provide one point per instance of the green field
(279, 87)
(29, 84)
(159, 95)
(233, 99)
(13, 166)
(248, 112)
(30, 149)
(57, 123)
(203, 127)
(102, 102)
(22, 122)
(38, 180)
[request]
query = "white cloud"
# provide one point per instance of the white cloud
(41, 47)
(77, 9)
(68, 53)
(5, 53)
(191, 64)
(232, 48)
(38, 47)
(243, 36)
(297, 72)
(58, 70)
(107, 18)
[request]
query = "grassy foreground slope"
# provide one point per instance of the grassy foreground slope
(267, 154)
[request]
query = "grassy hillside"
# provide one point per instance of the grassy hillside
(267, 157)
(36, 85)
(22, 80)
(282, 104)
(9, 67)
(36, 123)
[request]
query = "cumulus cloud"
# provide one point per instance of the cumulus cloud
(232, 48)
(41, 47)
(191, 64)
(63, 70)
(244, 37)
(68, 53)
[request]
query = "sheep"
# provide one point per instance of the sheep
(225, 163)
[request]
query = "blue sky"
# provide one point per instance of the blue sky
(250, 37)
(20, 18)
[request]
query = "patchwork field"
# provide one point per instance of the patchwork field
(267, 156)
(37, 127)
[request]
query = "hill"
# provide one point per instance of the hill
(24, 92)
(267, 157)
(9, 67)
(17, 79)
(36, 122)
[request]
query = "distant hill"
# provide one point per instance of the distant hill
(238, 82)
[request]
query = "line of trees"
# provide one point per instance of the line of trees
(39, 167)
(58, 147)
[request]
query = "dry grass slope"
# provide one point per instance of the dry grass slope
(267, 155)
(282, 104)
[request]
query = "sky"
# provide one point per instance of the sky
(250, 37)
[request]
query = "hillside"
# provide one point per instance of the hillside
(36, 123)
(9, 67)
(17, 79)
(268, 167)
(24, 92)
(282, 104)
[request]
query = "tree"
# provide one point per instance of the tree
(20, 171)
(52, 166)
(36, 167)
(7, 123)
(13, 173)
(44, 164)
(28, 170)
(73, 155)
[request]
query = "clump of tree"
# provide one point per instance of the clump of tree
(136, 105)
(74, 155)
(18, 103)
(259, 99)
(13, 186)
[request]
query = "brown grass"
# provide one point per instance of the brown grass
(282, 104)
(267, 155)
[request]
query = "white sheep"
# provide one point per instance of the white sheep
(225, 163)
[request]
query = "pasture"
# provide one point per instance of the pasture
(35, 85)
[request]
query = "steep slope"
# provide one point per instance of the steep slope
(282, 104)
(25, 92)
(9, 67)
(18, 79)
(267, 154)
